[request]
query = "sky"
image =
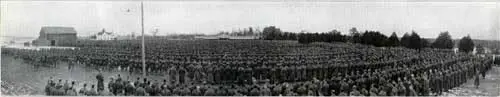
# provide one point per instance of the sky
(480, 20)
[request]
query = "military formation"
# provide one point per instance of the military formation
(263, 68)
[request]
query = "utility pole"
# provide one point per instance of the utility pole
(143, 46)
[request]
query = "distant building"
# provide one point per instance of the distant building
(55, 36)
(225, 37)
(103, 35)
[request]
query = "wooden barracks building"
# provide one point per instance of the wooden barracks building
(55, 36)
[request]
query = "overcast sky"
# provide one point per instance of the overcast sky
(479, 19)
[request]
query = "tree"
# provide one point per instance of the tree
(424, 43)
(415, 42)
(374, 38)
(393, 40)
(335, 36)
(250, 31)
(271, 33)
(303, 38)
(466, 44)
(443, 41)
(405, 40)
(354, 35)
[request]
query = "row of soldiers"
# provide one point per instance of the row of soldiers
(409, 80)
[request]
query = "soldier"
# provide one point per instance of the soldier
(119, 78)
(401, 88)
(303, 73)
(394, 90)
(111, 86)
(197, 91)
(255, 91)
(310, 93)
(381, 92)
(165, 92)
(364, 92)
(73, 86)
(284, 73)
(177, 91)
(217, 74)
(100, 81)
(48, 87)
(373, 90)
(185, 91)
(342, 94)
(129, 89)
(83, 90)
(137, 82)
(59, 91)
(412, 91)
(149, 89)
(425, 85)
(71, 92)
(265, 91)
(66, 85)
(332, 93)
(440, 82)
(302, 90)
(59, 83)
(355, 92)
(210, 92)
(92, 91)
(324, 88)
(344, 87)
(277, 90)
(294, 74)
(140, 91)
(476, 80)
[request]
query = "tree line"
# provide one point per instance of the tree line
(409, 40)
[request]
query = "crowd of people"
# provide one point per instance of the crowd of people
(262, 68)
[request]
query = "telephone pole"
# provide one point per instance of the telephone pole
(143, 51)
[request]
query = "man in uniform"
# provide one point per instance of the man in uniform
(49, 86)
(83, 90)
(129, 88)
(66, 85)
(302, 90)
(100, 81)
(277, 90)
(355, 91)
(71, 92)
(196, 91)
(92, 91)
(382, 92)
(185, 91)
(265, 91)
(344, 87)
(140, 91)
(210, 92)
(111, 85)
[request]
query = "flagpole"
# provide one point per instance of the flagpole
(142, 40)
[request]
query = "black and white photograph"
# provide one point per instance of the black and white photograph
(250, 48)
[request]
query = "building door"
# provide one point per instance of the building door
(52, 42)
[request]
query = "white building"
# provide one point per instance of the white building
(103, 35)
